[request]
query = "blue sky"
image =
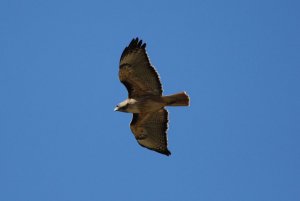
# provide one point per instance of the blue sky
(238, 141)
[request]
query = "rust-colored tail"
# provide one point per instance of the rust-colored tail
(180, 99)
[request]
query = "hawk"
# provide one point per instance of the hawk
(145, 100)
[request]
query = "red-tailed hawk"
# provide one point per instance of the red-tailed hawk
(145, 100)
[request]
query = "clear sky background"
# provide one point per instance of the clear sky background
(61, 140)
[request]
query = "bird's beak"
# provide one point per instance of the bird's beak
(116, 109)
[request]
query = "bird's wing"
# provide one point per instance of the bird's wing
(150, 130)
(136, 72)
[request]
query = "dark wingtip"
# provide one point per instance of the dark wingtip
(167, 153)
(135, 43)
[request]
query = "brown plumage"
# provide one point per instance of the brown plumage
(145, 100)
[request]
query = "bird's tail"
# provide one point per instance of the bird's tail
(180, 99)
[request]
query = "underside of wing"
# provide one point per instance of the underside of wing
(137, 73)
(150, 130)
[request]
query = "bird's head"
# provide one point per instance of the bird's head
(122, 107)
(126, 106)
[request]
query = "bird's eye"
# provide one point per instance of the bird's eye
(117, 105)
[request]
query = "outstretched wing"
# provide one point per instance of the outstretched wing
(150, 130)
(136, 73)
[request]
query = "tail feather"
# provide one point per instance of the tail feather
(180, 99)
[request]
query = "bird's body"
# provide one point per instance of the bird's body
(145, 100)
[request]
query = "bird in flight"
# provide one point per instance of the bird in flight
(145, 100)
